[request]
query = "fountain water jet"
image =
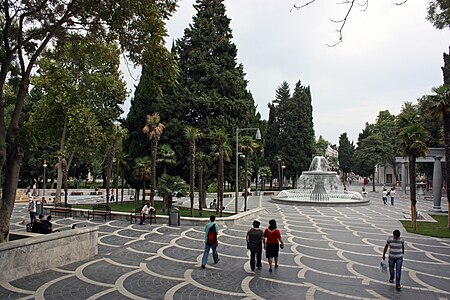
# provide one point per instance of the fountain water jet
(320, 186)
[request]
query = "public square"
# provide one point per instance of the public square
(330, 253)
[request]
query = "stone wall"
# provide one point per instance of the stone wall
(35, 254)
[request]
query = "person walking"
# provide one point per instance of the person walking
(211, 242)
(396, 246)
(272, 243)
(255, 237)
(32, 209)
(392, 194)
(384, 196)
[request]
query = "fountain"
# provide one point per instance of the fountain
(319, 186)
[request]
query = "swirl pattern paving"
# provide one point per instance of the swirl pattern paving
(330, 253)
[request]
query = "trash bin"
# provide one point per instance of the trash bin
(174, 217)
(39, 208)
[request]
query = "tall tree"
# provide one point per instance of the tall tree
(321, 146)
(221, 149)
(345, 154)
(142, 171)
(153, 129)
(247, 146)
(28, 27)
(272, 144)
(412, 136)
(192, 135)
(296, 131)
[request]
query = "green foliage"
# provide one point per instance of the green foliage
(439, 229)
(345, 153)
(290, 128)
(212, 187)
(439, 13)
(321, 146)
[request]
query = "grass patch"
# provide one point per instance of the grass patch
(130, 206)
(438, 229)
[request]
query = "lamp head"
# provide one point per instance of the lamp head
(258, 135)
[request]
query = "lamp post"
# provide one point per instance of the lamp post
(257, 137)
(282, 175)
(45, 180)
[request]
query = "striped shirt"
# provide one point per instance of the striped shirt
(395, 247)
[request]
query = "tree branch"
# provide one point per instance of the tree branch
(343, 21)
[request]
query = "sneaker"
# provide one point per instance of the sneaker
(391, 280)
(203, 266)
(398, 287)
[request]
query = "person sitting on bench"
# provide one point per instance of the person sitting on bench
(147, 209)
(40, 227)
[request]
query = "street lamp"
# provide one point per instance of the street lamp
(45, 182)
(257, 137)
(282, 175)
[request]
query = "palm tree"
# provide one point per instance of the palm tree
(153, 129)
(412, 136)
(166, 156)
(221, 149)
(142, 171)
(439, 106)
(117, 135)
(168, 185)
(201, 159)
(247, 145)
(192, 135)
(266, 173)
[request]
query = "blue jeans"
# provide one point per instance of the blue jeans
(392, 200)
(397, 262)
(385, 200)
(206, 254)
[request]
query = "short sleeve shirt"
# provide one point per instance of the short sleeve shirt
(395, 247)
(272, 237)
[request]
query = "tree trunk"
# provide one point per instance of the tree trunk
(412, 188)
(246, 181)
(59, 179)
(373, 181)
(65, 184)
(13, 161)
(192, 177)
(154, 147)
(200, 189)
(122, 185)
(447, 160)
(220, 183)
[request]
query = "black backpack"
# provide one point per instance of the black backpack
(212, 235)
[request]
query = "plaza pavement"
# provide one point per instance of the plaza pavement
(330, 253)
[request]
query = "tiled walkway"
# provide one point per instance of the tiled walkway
(330, 253)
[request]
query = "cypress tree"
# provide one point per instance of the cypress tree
(212, 91)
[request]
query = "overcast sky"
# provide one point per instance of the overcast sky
(389, 54)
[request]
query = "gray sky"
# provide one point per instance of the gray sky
(390, 54)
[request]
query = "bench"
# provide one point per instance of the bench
(76, 193)
(54, 193)
(96, 193)
(61, 208)
(100, 210)
(428, 198)
(227, 195)
(136, 214)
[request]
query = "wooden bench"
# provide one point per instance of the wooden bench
(100, 210)
(61, 208)
(76, 193)
(54, 194)
(136, 214)
(228, 195)
(96, 193)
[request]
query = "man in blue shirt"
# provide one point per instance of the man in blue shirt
(211, 241)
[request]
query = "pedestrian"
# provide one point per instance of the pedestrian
(396, 246)
(272, 243)
(112, 196)
(384, 196)
(211, 242)
(392, 194)
(255, 237)
(32, 209)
